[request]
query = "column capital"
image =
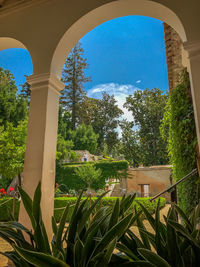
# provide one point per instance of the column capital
(193, 49)
(39, 81)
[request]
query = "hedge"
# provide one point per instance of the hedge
(60, 202)
(106, 201)
(65, 174)
(6, 208)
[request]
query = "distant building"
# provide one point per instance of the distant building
(145, 181)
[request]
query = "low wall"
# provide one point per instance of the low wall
(157, 177)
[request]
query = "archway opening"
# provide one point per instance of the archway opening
(102, 87)
(15, 65)
(129, 40)
(108, 12)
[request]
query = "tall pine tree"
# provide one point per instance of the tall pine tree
(26, 91)
(73, 76)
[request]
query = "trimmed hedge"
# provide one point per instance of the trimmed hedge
(6, 208)
(106, 201)
(60, 202)
(65, 174)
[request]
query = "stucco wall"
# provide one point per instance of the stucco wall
(158, 179)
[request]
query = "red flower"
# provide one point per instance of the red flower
(4, 193)
(11, 189)
(2, 190)
(57, 185)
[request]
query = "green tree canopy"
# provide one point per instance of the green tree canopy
(87, 110)
(106, 121)
(64, 122)
(64, 148)
(147, 107)
(26, 91)
(12, 149)
(73, 76)
(13, 107)
(90, 176)
(130, 145)
(84, 138)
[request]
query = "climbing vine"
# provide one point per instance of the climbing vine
(178, 127)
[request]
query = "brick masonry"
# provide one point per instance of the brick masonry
(173, 47)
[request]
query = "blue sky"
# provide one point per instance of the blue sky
(123, 54)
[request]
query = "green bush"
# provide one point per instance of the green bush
(6, 208)
(93, 235)
(60, 202)
(66, 174)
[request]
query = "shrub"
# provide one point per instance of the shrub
(89, 239)
(93, 234)
(6, 208)
(170, 244)
(66, 174)
(60, 202)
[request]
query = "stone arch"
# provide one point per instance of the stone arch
(8, 43)
(107, 12)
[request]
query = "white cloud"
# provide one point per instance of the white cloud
(120, 92)
(97, 90)
(139, 81)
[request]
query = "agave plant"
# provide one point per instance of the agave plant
(89, 240)
(171, 244)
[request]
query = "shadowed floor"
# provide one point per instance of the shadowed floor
(4, 246)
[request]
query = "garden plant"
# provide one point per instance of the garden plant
(104, 236)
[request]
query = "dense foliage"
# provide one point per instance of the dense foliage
(89, 239)
(13, 107)
(90, 175)
(178, 128)
(6, 206)
(81, 138)
(130, 146)
(170, 244)
(73, 76)
(84, 138)
(93, 234)
(61, 202)
(147, 107)
(6, 209)
(98, 119)
(106, 121)
(12, 149)
(66, 174)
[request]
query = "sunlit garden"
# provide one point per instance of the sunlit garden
(106, 132)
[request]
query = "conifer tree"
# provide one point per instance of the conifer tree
(26, 91)
(73, 76)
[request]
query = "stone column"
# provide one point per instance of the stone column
(41, 144)
(193, 49)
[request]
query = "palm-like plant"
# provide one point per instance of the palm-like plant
(171, 244)
(93, 233)
(88, 240)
